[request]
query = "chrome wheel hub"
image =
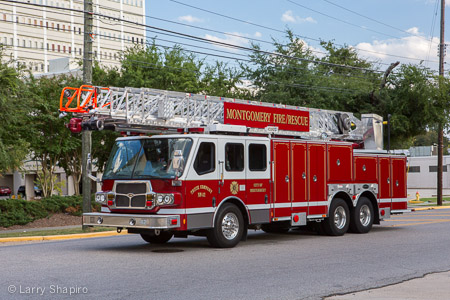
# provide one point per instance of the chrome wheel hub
(230, 226)
(340, 217)
(365, 215)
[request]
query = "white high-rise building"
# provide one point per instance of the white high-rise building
(36, 32)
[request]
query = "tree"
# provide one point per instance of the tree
(13, 110)
(411, 99)
(46, 133)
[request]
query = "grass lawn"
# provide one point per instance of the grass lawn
(54, 232)
(433, 201)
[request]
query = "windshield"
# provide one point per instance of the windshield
(146, 158)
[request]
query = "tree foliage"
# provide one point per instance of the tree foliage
(13, 110)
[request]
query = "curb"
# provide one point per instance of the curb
(60, 237)
(430, 208)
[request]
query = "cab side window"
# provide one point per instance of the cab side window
(205, 161)
(257, 157)
(234, 157)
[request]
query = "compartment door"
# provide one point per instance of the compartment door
(299, 180)
(281, 177)
(316, 179)
(384, 185)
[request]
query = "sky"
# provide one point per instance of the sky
(382, 31)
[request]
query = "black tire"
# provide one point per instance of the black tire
(228, 227)
(362, 217)
(158, 237)
(338, 220)
(275, 228)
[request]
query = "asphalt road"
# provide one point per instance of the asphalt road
(296, 265)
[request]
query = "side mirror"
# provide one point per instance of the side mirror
(89, 169)
(178, 162)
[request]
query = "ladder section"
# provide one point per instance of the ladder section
(152, 108)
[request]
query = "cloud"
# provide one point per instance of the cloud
(288, 17)
(412, 49)
(239, 40)
(258, 34)
(190, 19)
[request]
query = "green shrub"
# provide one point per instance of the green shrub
(21, 212)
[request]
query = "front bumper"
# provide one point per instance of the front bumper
(132, 220)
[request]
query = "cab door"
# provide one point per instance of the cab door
(202, 184)
(232, 160)
(258, 179)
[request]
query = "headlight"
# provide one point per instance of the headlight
(160, 199)
(100, 198)
(167, 199)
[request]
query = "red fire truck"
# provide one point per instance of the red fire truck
(216, 167)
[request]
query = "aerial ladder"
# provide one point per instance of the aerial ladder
(152, 110)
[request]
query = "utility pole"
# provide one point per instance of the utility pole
(441, 129)
(86, 139)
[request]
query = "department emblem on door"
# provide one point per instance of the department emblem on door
(234, 187)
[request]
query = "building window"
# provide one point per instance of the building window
(35, 22)
(24, 43)
(414, 169)
(64, 28)
(433, 169)
(132, 39)
(79, 51)
(53, 25)
(53, 47)
(64, 49)
(46, 24)
(42, 23)
(57, 27)
(79, 30)
(59, 48)
(70, 49)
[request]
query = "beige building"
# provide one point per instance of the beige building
(36, 32)
(47, 36)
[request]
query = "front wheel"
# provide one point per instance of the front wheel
(362, 216)
(157, 237)
(228, 227)
(338, 220)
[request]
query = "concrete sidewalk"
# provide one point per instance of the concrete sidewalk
(434, 286)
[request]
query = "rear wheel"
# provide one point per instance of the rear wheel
(228, 227)
(158, 237)
(338, 220)
(362, 216)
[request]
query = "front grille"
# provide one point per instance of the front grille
(135, 188)
(138, 201)
(122, 201)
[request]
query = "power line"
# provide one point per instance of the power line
(340, 20)
(278, 30)
(374, 20)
